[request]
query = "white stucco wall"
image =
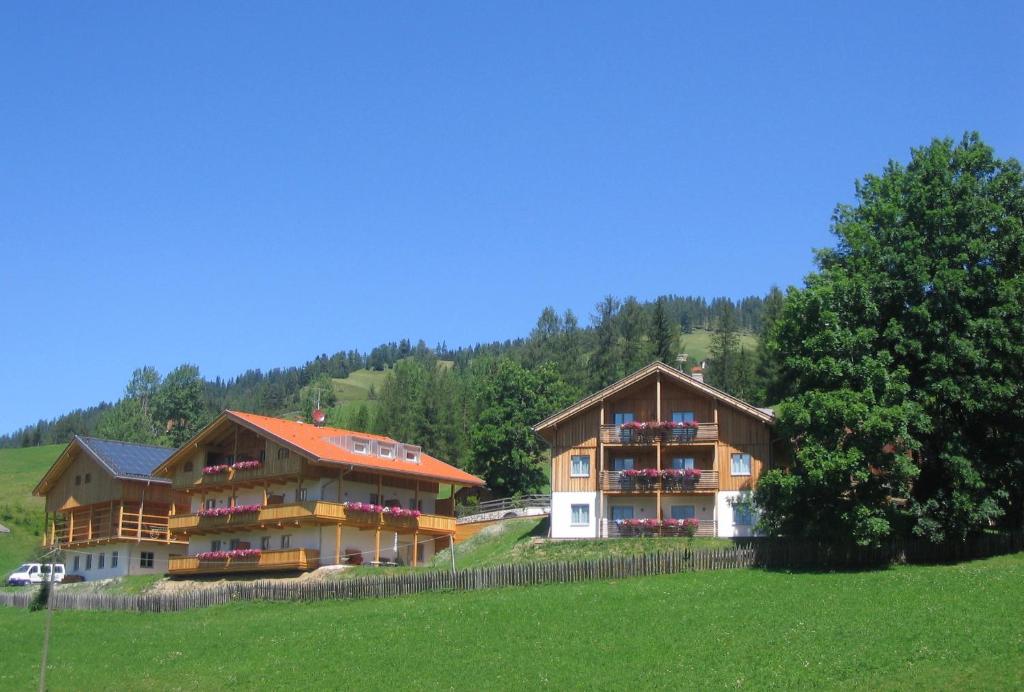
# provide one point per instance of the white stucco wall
(727, 528)
(128, 559)
(561, 515)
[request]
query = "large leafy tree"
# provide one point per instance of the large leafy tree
(902, 359)
(179, 405)
(505, 451)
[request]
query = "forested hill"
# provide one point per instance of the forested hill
(620, 336)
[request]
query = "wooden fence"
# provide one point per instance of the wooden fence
(760, 553)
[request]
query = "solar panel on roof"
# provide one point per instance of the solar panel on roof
(128, 459)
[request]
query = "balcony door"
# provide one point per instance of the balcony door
(623, 417)
(622, 463)
(681, 463)
(683, 511)
(682, 416)
(621, 513)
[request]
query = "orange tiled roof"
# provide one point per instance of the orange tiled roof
(313, 441)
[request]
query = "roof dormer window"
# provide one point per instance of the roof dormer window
(360, 446)
(386, 451)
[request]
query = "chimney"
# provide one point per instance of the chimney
(697, 373)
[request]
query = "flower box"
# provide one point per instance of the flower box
(216, 469)
(228, 511)
(237, 554)
(247, 464)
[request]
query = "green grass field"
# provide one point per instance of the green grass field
(20, 470)
(512, 541)
(947, 627)
(697, 343)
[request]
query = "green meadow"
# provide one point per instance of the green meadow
(944, 627)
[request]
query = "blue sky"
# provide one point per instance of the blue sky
(248, 185)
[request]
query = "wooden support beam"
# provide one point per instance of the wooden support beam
(71, 526)
(415, 541)
(120, 518)
(88, 530)
(657, 403)
(337, 544)
(376, 546)
(138, 527)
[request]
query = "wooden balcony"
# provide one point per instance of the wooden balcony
(615, 435)
(707, 528)
(273, 468)
(267, 561)
(317, 511)
(612, 481)
(115, 521)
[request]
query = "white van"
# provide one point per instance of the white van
(35, 573)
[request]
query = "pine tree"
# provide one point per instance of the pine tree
(724, 350)
(664, 334)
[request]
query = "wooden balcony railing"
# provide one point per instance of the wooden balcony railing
(708, 527)
(615, 435)
(613, 481)
(114, 521)
(310, 511)
(271, 468)
(268, 560)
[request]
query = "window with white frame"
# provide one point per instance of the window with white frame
(622, 463)
(742, 515)
(361, 446)
(412, 455)
(683, 511)
(621, 512)
(741, 464)
(580, 515)
(680, 463)
(386, 451)
(580, 466)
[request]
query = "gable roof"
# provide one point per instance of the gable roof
(312, 441)
(764, 415)
(122, 460)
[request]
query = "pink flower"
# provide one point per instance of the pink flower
(247, 464)
(215, 469)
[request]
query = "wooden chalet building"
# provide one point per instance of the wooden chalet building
(271, 494)
(107, 511)
(650, 452)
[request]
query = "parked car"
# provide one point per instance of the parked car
(35, 573)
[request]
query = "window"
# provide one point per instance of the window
(286, 541)
(580, 515)
(188, 467)
(619, 513)
(230, 459)
(215, 545)
(623, 417)
(113, 559)
(742, 515)
(146, 560)
(233, 544)
(393, 502)
(374, 499)
(300, 494)
(265, 543)
(88, 477)
(101, 560)
(282, 453)
(683, 511)
(210, 504)
(78, 480)
(741, 464)
(682, 462)
(682, 416)
(263, 455)
(622, 463)
(415, 504)
(386, 451)
(88, 561)
(580, 466)
(77, 563)
(361, 446)
(411, 455)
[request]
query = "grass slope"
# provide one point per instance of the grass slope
(908, 627)
(513, 541)
(697, 344)
(20, 470)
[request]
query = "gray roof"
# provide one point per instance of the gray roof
(127, 460)
(4, 529)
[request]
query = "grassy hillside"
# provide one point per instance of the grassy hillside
(908, 627)
(514, 541)
(697, 344)
(20, 470)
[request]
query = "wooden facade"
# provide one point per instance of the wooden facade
(722, 427)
